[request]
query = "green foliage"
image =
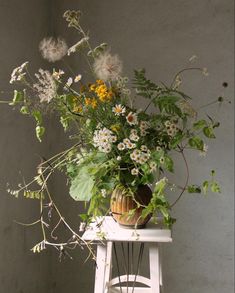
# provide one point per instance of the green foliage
(17, 98)
(82, 185)
(196, 143)
(144, 87)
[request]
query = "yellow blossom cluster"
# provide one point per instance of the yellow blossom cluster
(91, 102)
(77, 108)
(102, 91)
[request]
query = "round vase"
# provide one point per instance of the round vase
(122, 203)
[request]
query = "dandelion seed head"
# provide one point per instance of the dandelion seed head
(53, 49)
(107, 67)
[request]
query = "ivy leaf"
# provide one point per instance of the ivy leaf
(208, 132)
(215, 187)
(194, 189)
(37, 116)
(199, 124)
(196, 142)
(40, 130)
(205, 187)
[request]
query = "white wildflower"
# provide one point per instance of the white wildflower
(119, 158)
(46, 86)
(153, 166)
(119, 110)
(144, 148)
(78, 78)
(131, 118)
(121, 146)
(103, 192)
(80, 44)
(158, 148)
(68, 83)
(162, 160)
(53, 49)
(103, 139)
(134, 171)
(57, 74)
(144, 125)
(107, 67)
(18, 73)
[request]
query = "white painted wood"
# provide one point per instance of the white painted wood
(103, 269)
(124, 290)
(131, 278)
(152, 234)
(154, 267)
(108, 266)
(114, 232)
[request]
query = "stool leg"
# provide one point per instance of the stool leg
(103, 270)
(154, 266)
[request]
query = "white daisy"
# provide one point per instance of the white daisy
(132, 118)
(134, 171)
(119, 110)
(121, 146)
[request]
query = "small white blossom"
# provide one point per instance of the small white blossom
(69, 82)
(103, 192)
(18, 73)
(57, 74)
(134, 171)
(46, 86)
(103, 139)
(121, 146)
(153, 166)
(119, 158)
(78, 78)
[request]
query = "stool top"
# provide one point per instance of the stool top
(111, 231)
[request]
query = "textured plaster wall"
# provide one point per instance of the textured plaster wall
(22, 25)
(160, 36)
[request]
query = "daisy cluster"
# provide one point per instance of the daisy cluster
(171, 128)
(103, 139)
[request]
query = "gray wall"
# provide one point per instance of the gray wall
(160, 36)
(22, 25)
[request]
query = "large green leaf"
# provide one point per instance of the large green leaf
(82, 185)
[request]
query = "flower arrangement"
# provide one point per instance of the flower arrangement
(116, 145)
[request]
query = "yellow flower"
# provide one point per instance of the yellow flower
(115, 127)
(94, 103)
(87, 101)
(99, 81)
(77, 109)
(92, 87)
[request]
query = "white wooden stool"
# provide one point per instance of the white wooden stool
(153, 234)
